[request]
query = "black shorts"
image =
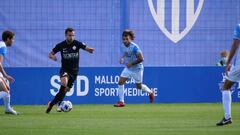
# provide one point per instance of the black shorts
(71, 74)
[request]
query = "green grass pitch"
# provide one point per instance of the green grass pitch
(134, 119)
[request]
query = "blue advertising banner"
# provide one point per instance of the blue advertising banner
(180, 41)
(98, 85)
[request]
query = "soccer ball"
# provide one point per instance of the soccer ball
(66, 106)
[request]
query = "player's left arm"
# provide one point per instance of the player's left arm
(11, 79)
(86, 47)
(139, 60)
(89, 49)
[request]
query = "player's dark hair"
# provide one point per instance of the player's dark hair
(128, 33)
(7, 34)
(69, 30)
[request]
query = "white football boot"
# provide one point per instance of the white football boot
(11, 111)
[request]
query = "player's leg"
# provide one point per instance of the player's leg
(70, 82)
(233, 77)
(121, 91)
(5, 94)
(62, 91)
(2, 94)
(3, 89)
(123, 78)
(138, 77)
(226, 101)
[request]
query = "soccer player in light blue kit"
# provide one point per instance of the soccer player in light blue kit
(8, 39)
(232, 77)
(133, 58)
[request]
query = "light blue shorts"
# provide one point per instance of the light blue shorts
(136, 75)
(234, 74)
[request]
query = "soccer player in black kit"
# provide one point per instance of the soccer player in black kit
(69, 49)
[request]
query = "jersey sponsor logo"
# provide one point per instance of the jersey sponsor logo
(191, 16)
(70, 55)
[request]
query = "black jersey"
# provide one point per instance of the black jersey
(69, 54)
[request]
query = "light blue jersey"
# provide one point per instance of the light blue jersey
(237, 37)
(131, 56)
(3, 48)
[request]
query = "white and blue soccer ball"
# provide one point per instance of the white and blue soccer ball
(66, 106)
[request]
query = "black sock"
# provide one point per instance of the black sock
(59, 97)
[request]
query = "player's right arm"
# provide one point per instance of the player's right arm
(234, 48)
(52, 55)
(122, 58)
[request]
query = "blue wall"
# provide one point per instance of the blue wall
(98, 85)
(40, 24)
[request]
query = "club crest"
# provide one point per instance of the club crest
(159, 14)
